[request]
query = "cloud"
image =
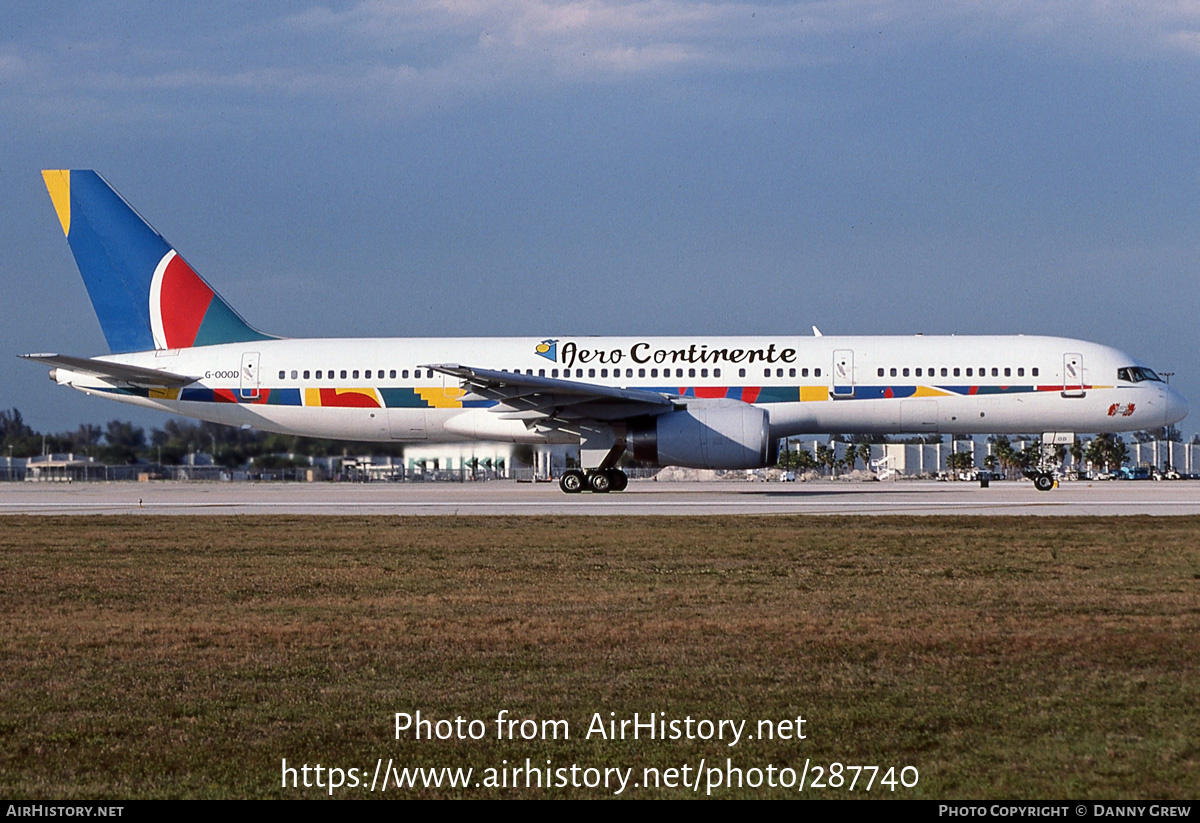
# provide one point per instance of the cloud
(411, 54)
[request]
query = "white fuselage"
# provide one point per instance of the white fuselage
(381, 389)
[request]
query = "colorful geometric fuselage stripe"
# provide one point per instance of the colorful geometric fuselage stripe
(438, 397)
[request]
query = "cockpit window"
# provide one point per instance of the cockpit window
(1136, 374)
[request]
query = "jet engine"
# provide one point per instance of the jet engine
(735, 436)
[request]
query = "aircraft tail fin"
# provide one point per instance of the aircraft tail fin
(145, 295)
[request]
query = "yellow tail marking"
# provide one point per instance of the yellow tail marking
(58, 183)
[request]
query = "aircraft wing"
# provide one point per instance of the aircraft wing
(121, 372)
(530, 398)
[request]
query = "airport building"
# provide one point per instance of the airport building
(495, 461)
(893, 460)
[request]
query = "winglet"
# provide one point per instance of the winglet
(58, 183)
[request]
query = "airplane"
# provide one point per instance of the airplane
(701, 401)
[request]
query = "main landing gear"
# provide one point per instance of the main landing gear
(600, 481)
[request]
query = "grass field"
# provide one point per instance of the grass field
(1000, 657)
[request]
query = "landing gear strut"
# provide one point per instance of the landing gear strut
(600, 445)
(1043, 476)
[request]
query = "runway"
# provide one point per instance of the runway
(642, 498)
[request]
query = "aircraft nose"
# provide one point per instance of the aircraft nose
(1177, 407)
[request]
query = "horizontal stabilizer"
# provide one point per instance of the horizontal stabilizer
(112, 371)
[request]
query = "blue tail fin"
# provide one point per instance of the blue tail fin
(145, 295)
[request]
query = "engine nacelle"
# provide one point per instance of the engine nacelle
(735, 436)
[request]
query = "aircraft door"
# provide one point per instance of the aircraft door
(407, 424)
(249, 376)
(919, 415)
(1073, 375)
(843, 373)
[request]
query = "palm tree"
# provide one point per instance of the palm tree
(864, 454)
(1107, 450)
(1077, 449)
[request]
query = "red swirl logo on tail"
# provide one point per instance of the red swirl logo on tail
(179, 299)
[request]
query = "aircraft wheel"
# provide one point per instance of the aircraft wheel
(572, 481)
(600, 482)
(1043, 482)
(619, 480)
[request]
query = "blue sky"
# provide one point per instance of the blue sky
(648, 167)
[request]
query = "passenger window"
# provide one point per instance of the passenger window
(704, 372)
(368, 374)
(804, 372)
(1007, 372)
(956, 371)
(893, 372)
(716, 372)
(654, 372)
(970, 372)
(282, 374)
(1035, 371)
(905, 372)
(392, 374)
(817, 372)
(404, 374)
(741, 372)
(944, 372)
(541, 372)
(918, 372)
(354, 374)
(691, 372)
(791, 372)
(591, 372)
(995, 372)
(880, 372)
(641, 372)
(604, 372)
(554, 372)
(766, 372)
(318, 374)
(294, 375)
(306, 374)
(1020, 371)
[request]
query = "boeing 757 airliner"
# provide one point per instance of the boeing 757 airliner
(703, 402)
